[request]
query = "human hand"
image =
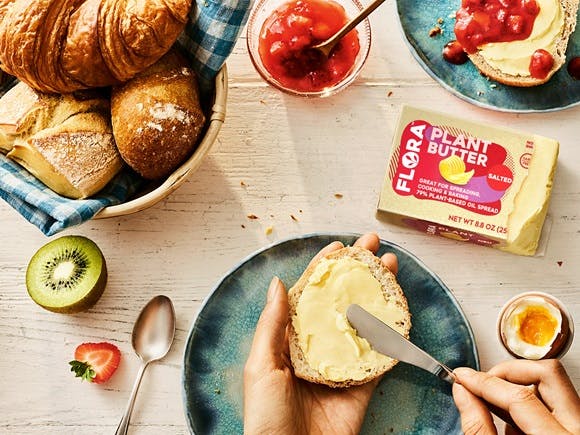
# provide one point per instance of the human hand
(276, 401)
(510, 386)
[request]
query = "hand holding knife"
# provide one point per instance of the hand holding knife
(389, 342)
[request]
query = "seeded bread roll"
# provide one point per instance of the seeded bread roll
(570, 8)
(392, 292)
(157, 117)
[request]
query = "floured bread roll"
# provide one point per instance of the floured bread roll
(157, 117)
(65, 141)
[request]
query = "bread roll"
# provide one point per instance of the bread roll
(157, 117)
(65, 141)
(61, 46)
(392, 293)
(24, 112)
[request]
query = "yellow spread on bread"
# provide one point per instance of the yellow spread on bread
(514, 57)
(330, 345)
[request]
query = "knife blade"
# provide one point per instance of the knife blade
(389, 342)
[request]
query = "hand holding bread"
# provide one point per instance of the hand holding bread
(276, 401)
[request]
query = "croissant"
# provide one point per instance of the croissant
(59, 46)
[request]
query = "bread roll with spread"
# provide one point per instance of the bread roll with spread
(157, 117)
(65, 141)
(60, 46)
(324, 348)
(524, 61)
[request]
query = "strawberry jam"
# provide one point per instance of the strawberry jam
(541, 64)
(287, 35)
(454, 53)
(482, 21)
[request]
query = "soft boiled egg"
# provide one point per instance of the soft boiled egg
(535, 325)
(532, 327)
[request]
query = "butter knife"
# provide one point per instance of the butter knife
(389, 342)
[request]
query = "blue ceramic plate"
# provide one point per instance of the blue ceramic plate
(465, 81)
(408, 400)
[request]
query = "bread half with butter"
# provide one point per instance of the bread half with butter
(324, 348)
(566, 17)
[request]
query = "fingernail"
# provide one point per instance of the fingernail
(273, 289)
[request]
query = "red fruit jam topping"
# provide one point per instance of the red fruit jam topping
(481, 21)
(541, 64)
(285, 41)
(574, 67)
(454, 53)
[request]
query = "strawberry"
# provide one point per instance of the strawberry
(95, 362)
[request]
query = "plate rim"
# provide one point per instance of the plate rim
(310, 235)
(417, 56)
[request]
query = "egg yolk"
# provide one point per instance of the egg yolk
(537, 326)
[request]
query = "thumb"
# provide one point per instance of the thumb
(269, 338)
(475, 418)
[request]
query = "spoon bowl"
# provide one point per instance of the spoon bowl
(152, 337)
(154, 329)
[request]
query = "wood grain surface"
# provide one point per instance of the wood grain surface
(276, 157)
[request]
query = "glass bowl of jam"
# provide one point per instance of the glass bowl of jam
(280, 34)
(535, 325)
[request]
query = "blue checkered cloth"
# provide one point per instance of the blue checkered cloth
(209, 37)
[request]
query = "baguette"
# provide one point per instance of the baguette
(570, 9)
(392, 294)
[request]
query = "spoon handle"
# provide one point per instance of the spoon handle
(356, 20)
(124, 424)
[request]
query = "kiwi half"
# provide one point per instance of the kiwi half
(67, 275)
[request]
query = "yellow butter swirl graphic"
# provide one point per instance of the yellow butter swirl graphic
(452, 169)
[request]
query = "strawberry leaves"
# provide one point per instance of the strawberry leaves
(82, 370)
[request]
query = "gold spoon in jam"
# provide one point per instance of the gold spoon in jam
(326, 47)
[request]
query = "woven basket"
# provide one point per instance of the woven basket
(178, 177)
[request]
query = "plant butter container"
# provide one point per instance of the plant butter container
(468, 181)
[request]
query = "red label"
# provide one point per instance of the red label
(448, 165)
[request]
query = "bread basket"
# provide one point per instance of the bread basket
(148, 198)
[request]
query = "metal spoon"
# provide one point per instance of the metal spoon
(326, 47)
(152, 337)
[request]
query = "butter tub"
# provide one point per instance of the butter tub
(469, 181)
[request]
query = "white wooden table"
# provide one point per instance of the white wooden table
(292, 155)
